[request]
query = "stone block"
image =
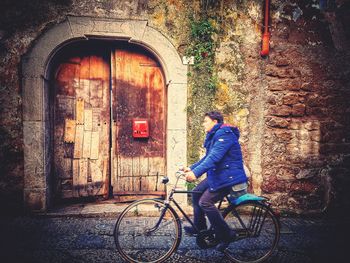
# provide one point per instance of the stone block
(295, 139)
(282, 62)
(176, 157)
(32, 99)
(272, 70)
(302, 97)
(134, 28)
(272, 99)
(312, 125)
(177, 119)
(103, 27)
(303, 135)
(46, 100)
(177, 102)
(35, 200)
(315, 101)
(293, 84)
(286, 172)
(276, 84)
(293, 148)
(80, 26)
(277, 122)
(283, 135)
(290, 98)
(281, 111)
(176, 148)
(177, 94)
(50, 40)
(296, 124)
(282, 72)
(272, 184)
(302, 187)
(48, 150)
(33, 139)
(292, 203)
(279, 199)
(307, 173)
(298, 110)
(33, 67)
(34, 179)
(309, 148)
(309, 86)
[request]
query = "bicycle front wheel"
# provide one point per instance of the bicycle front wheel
(147, 231)
(257, 230)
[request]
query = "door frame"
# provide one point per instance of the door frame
(36, 69)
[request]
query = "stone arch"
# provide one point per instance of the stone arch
(35, 85)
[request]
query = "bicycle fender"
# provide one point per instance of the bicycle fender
(246, 198)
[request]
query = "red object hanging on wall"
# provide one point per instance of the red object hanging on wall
(140, 128)
(265, 49)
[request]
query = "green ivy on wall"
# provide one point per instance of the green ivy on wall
(202, 80)
(208, 28)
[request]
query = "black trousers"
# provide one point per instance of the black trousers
(204, 204)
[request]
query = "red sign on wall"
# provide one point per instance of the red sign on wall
(140, 128)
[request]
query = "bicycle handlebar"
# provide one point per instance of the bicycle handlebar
(180, 173)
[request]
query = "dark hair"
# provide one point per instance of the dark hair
(215, 115)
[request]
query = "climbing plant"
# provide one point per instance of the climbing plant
(202, 79)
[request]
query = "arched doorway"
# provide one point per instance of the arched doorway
(38, 125)
(101, 93)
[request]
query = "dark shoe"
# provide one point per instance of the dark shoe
(189, 230)
(206, 239)
(222, 246)
(225, 243)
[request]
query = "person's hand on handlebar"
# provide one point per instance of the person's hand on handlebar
(190, 177)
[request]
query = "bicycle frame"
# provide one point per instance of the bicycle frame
(253, 229)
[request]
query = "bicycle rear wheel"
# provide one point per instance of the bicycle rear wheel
(257, 230)
(145, 232)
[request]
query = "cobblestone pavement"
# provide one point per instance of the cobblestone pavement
(80, 239)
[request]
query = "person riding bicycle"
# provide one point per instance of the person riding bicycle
(223, 164)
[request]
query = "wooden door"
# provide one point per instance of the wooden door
(82, 123)
(138, 92)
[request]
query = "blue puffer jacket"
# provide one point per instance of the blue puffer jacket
(223, 160)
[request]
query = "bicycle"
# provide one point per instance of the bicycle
(150, 230)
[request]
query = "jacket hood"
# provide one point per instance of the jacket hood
(233, 128)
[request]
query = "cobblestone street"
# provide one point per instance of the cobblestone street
(90, 239)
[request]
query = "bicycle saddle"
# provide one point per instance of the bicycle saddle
(246, 198)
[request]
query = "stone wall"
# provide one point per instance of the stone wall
(291, 107)
(306, 144)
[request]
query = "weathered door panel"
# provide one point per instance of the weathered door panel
(138, 92)
(81, 124)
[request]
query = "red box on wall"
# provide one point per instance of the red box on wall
(140, 128)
